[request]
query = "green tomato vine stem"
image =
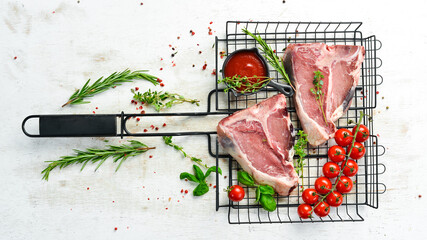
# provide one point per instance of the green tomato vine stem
(341, 171)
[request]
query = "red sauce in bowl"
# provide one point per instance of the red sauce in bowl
(245, 63)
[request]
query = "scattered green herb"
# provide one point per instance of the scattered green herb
(94, 155)
(168, 141)
(271, 56)
(199, 176)
(317, 91)
(243, 84)
(111, 81)
(158, 99)
(299, 148)
(264, 193)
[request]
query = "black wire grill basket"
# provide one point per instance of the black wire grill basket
(278, 35)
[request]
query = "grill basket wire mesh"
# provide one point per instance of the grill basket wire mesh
(278, 35)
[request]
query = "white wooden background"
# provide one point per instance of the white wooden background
(60, 44)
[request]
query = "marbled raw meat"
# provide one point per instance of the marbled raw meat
(340, 65)
(261, 139)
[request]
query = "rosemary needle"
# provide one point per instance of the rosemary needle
(103, 84)
(98, 155)
(271, 56)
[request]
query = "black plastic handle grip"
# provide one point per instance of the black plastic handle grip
(74, 125)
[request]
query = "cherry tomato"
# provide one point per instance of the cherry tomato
(334, 199)
(362, 134)
(322, 185)
(304, 211)
(358, 151)
(344, 185)
(336, 153)
(310, 196)
(331, 170)
(322, 210)
(343, 137)
(351, 169)
(236, 193)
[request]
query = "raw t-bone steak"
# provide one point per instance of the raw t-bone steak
(340, 65)
(261, 139)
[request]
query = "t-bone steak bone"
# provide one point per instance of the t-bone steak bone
(340, 64)
(261, 139)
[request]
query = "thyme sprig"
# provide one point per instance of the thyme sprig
(318, 93)
(243, 84)
(347, 157)
(158, 99)
(103, 84)
(271, 56)
(168, 141)
(299, 148)
(198, 177)
(94, 155)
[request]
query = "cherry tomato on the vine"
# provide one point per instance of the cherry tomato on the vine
(336, 153)
(331, 170)
(322, 210)
(351, 169)
(322, 185)
(304, 211)
(343, 137)
(236, 193)
(358, 151)
(362, 134)
(310, 196)
(344, 184)
(334, 199)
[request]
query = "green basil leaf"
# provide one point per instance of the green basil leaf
(246, 179)
(212, 169)
(201, 189)
(188, 176)
(258, 194)
(267, 202)
(199, 173)
(265, 189)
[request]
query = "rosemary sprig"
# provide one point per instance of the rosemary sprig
(94, 155)
(158, 99)
(101, 85)
(244, 84)
(299, 148)
(347, 157)
(271, 56)
(318, 93)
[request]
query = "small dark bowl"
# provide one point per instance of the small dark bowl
(283, 88)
